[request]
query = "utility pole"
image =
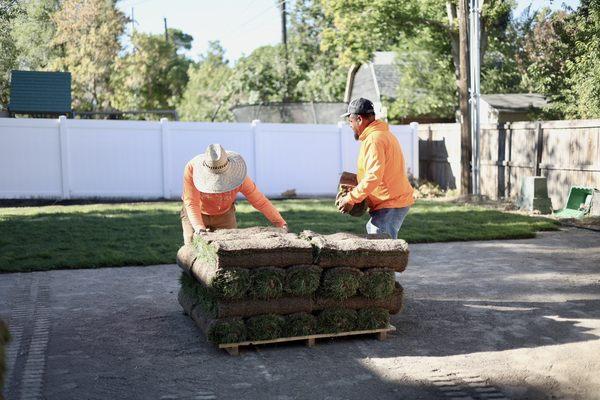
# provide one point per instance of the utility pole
(463, 94)
(166, 32)
(285, 48)
(475, 89)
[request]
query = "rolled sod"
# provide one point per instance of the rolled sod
(224, 330)
(226, 283)
(198, 294)
(340, 283)
(300, 324)
(252, 247)
(302, 280)
(186, 255)
(393, 303)
(377, 283)
(335, 320)
(347, 249)
(229, 330)
(194, 293)
(232, 283)
(372, 318)
(265, 327)
(267, 283)
(252, 307)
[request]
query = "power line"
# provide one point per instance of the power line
(263, 12)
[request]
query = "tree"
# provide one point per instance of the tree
(427, 85)
(319, 75)
(154, 75)
(87, 35)
(559, 59)
(549, 45)
(9, 10)
(208, 96)
(312, 74)
(259, 77)
(363, 27)
(33, 32)
(583, 98)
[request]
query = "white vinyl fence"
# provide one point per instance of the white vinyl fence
(76, 159)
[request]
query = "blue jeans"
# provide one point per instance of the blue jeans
(387, 220)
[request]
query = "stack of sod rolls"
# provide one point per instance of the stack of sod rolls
(265, 283)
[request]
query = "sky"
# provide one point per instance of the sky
(240, 25)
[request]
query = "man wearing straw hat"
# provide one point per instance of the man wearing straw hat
(381, 176)
(211, 182)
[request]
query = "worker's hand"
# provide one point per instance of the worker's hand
(345, 204)
(202, 230)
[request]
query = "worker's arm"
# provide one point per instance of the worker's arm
(261, 203)
(191, 199)
(374, 166)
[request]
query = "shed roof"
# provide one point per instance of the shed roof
(40, 92)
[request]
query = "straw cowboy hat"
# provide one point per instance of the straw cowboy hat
(217, 170)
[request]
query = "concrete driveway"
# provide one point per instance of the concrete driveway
(483, 320)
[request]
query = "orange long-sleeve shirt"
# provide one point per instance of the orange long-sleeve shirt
(381, 173)
(197, 203)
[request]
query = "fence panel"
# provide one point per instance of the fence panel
(145, 160)
(30, 151)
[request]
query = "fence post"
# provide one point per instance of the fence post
(508, 159)
(166, 159)
(340, 127)
(254, 127)
(539, 148)
(63, 137)
(414, 126)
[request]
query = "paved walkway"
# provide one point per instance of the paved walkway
(499, 319)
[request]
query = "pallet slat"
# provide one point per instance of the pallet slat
(233, 348)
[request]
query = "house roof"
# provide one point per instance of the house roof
(386, 73)
(515, 102)
(380, 76)
(40, 92)
(387, 79)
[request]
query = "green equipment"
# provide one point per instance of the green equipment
(582, 201)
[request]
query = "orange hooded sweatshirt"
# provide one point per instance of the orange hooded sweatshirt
(381, 174)
(197, 203)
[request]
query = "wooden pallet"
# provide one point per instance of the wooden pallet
(234, 348)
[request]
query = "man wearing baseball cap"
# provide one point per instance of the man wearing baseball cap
(382, 178)
(211, 182)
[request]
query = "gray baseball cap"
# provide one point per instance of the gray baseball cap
(359, 106)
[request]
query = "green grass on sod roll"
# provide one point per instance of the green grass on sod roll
(202, 295)
(340, 283)
(372, 318)
(265, 327)
(267, 283)
(232, 283)
(377, 283)
(300, 324)
(335, 320)
(230, 330)
(302, 280)
(205, 252)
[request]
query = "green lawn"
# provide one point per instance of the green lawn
(102, 235)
